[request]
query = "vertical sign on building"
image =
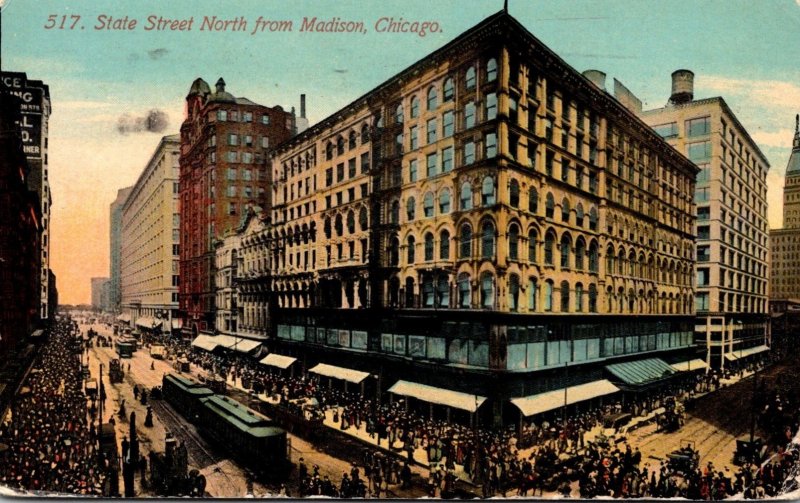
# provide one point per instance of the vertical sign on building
(31, 111)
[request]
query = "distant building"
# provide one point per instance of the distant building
(150, 243)
(732, 240)
(226, 266)
(99, 296)
(224, 145)
(115, 231)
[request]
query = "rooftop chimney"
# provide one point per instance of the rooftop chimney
(303, 106)
(301, 123)
(597, 78)
(682, 87)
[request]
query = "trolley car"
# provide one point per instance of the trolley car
(184, 394)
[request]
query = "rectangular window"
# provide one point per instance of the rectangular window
(233, 156)
(701, 301)
(339, 172)
(231, 173)
(469, 153)
(233, 139)
(264, 142)
(265, 119)
(667, 130)
(328, 177)
(248, 117)
(491, 106)
(703, 275)
(351, 167)
(704, 232)
(231, 190)
(490, 140)
(703, 253)
(698, 127)
(703, 213)
(414, 134)
(705, 173)
(469, 115)
(364, 162)
(247, 157)
(700, 151)
(702, 194)
(412, 170)
(431, 131)
(222, 115)
(447, 124)
(431, 164)
(447, 159)
(248, 141)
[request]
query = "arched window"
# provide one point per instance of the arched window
(326, 228)
(548, 295)
(533, 293)
(351, 140)
(632, 264)
(329, 151)
(427, 290)
(592, 299)
(580, 253)
(428, 247)
(410, 208)
(340, 145)
(469, 78)
(593, 219)
(432, 95)
(549, 244)
(565, 210)
(444, 201)
(579, 215)
(579, 298)
(513, 293)
(513, 194)
(427, 204)
(566, 250)
(464, 293)
(487, 240)
(398, 114)
(351, 222)
(549, 205)
(533, 201)
(533, 236)
(338, 226)
(564, 297)
(513, 242)
(466, 196)
(364, 134)
(610, 260)
(443, 292)
(444, 245)
(363, 219)
(594, 261)
(487, 191)
(414, 107)
(394, 246)
(411, 244)
(466, 241)
(449, 90)
(491, 70)
(487, 290)
(395, 214)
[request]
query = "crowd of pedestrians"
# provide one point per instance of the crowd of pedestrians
(48, 440)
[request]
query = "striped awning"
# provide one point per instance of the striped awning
(206, 342)
(243, 345)
(549, 400)
(279, 361)
(440, 396)
(639, 372)
(696, 364)
(345, 374)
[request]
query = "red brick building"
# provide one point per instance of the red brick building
(20, 242)
(223, 168)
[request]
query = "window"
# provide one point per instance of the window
(703, 254)
(414, 107)
(466, 196)
(447, 159)
(565, 210)
(363, 219)
(428, 247)
(265, 120)
(490, 141)
(447, 124)
(699, 151)
(579, 298)
(340, 145)
(442, 292)
(231, 208)
(702, 194)
(394, 217)
(351, 222)
(580, 253)
(548, 295)
(364, 134)
(701, 301)
(487, 290)
(414, 135)
(444, 201)
(566, 250)
(532, 244)
(592, 299)
(513, 242)
(464, 295)
(410, 207)
(410, 252)
(338, 226)
(351, 167)
(231, 173)
(469, 78)
(704, 232)
(340, 172)
(222, 115)
(594, 259)
(533, 200)
(398, 144)
(564, 287)
(549, 244)
(469, 153)
(444, 245)
(491, 70)
(491, 106)
(487, 191)
(469, 115)
(667, 130)
(233, 156)
(698, 127)
(427, 204)
(432, 96)
(487, 240)
(412, 170)
(513, 194)
(465, 241)
(533, 293)
(549, 206)
(231, 190)
(398, 114)
(579, 215)
(364, 162)
(233, 139)
(431, 138)
(513, 293)
(703, 275)
(431, 164)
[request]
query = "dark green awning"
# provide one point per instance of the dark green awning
(641, 372)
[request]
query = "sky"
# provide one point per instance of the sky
(103, 81)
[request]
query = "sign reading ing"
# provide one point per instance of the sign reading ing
(30, 123)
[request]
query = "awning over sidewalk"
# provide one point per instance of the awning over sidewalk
(243, 345)
(696, 364)
(640, 372)
(345, 374)
(146, 322)
(124, 317)
(206, 342)
(744, 353)
(279, 361)
(441, 396)
(549, 400)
